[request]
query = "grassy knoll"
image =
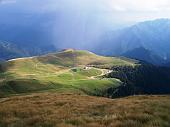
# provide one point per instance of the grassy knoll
(71, 58)
(76, 110)
(61, 71)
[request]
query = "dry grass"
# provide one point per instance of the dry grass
(73, 110)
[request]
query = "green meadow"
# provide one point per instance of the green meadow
(69, 70)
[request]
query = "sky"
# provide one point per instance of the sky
(78, 22)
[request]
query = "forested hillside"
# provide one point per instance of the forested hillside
(142, 79)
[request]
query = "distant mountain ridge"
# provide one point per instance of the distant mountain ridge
(30, 34)
(10, 50)
(145, 55)
(151, 35)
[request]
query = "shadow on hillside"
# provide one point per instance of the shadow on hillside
(144, 79)
(19, 86)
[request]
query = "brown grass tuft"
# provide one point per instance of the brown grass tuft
(72, 110)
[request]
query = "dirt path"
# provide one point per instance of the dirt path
(104, 72)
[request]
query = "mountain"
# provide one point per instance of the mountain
(10, 50)
(68, 70)
(167, 64)
(151, 35)
(35, 37)
(68, 83)
(141, 79)
(82, 72)
(26, 29)
(144, 55)
(30, 33)
(71, 58)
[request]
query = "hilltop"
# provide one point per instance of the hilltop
(68, 70)
(71, 58)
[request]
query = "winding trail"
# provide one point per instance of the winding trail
(104, 72)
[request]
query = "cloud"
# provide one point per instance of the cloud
(7, 1)
(94, 6)
(140, 5)
(119, 8)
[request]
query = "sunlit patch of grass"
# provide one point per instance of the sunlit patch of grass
(30, 75)
(62, 71)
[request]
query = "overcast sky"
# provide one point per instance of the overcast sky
(85, 20)
(131, 10)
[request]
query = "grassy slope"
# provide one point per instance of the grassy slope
(52, 72)
(79, 57)
(72, 110)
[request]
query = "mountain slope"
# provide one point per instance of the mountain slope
(71, 57)
(151, 35)
(72, 110)
(27, 30)
(10, 50)
(69, 70)
(142, 79)
(144, 55)
(82, 72)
